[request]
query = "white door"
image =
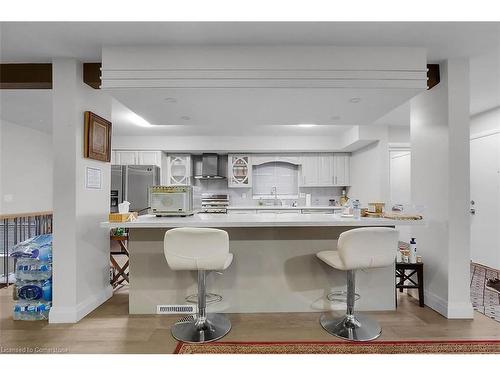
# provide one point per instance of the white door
(400, 185)
(485, 193)
(400, 177)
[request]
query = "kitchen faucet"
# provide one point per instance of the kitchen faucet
(277, 202)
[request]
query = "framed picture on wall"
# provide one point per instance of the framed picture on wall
(97, 137)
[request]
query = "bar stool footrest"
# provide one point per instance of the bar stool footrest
(340, 296)
(211, 298)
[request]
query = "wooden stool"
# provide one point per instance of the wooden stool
(120, 274)
(415, 268)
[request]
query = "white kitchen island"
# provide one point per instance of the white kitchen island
(275, 268)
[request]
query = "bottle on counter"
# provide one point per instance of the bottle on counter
(413, 251)
(343, 198)
(308, 200)
(356, 209)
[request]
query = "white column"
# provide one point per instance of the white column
(81, 247)
(440, 182)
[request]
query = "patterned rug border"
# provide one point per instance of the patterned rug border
(402, 343)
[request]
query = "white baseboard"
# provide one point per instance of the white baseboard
(70, 314)
(449, 311)
(462, 310)
(436, 303)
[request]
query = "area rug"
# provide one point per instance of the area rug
(483, 300)
(342, 347)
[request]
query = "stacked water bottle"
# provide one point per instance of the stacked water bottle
(33, 288)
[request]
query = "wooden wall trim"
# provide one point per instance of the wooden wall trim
(433, 76)
(92, 74)
(26, 76)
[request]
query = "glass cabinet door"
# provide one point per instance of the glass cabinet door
(240, 171)
(178, 171)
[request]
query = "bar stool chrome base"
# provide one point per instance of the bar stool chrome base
(356, 327)
(200, 330)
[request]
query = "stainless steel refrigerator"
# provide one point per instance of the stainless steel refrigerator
(130, 183)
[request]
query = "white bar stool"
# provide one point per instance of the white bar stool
(200, 249)
(359, 248)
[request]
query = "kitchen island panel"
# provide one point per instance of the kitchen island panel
(274, 270)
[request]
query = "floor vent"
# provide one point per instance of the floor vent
(175, 309)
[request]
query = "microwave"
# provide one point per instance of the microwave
(171, 200)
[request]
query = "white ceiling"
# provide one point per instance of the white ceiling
(124, 124)
(238, 110)
(40, 41)
(399, 116)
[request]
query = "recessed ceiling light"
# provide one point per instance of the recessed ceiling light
(185, 118)
(138, 120)
(171, 100)
(355, 100)
(306, 125)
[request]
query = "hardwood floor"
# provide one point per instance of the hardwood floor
(110, 329)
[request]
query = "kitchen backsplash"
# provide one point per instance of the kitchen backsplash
(320, 196)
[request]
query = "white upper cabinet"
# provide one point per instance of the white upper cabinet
(136, 157)
(309, 170)
(239, 170)
(341, 170)
(324, 169)
(149, 158)
(179, 169)
(126, 157)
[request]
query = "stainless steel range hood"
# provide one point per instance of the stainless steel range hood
(209, 167)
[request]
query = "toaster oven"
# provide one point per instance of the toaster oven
(171, 200)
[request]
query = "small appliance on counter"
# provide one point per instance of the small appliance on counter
(171, 200)
(332, 202)
(214, 203)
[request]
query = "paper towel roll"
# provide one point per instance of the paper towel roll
(123, 207)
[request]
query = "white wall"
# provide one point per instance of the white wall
(370, 170)
(485, 182)
(440, 181)
(26, 169)
(399, 134)
(81, 247)
(485, 122)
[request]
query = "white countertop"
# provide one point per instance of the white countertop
(245, 208)
(251, 220)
